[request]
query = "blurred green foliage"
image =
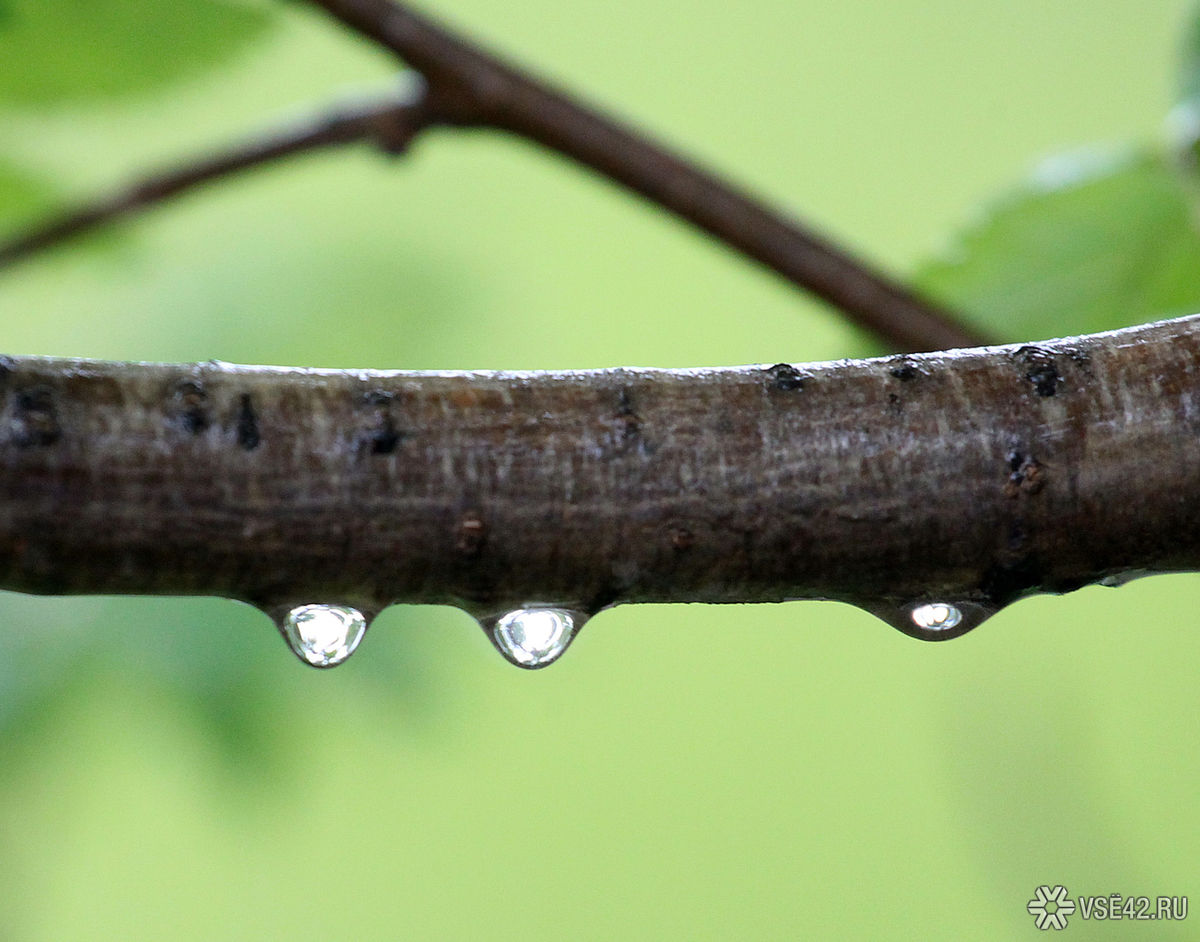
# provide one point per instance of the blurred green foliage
(64, 51)
(1095, 241)
(685, 772)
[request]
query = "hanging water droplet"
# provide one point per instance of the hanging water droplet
(324, 635)
(535, 637)
(936, 616)
(931, 621)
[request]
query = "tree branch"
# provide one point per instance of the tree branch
(482, 90)
(469, 87)
(969, 477)
(391, 125)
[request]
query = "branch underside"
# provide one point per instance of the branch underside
(973, 477)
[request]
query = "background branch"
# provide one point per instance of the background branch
(391, 125)
(482, 90)
(967, 476)
(469, 87)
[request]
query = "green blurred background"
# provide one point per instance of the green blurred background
(172, 772)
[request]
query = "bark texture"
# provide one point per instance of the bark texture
(972, 477)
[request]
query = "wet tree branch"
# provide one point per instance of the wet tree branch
(971, 477)
(391, 125)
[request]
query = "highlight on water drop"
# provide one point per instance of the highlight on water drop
(323, 635)
(936, 616)
(931, 619)
(535, 637)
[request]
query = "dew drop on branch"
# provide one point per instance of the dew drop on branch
(323, 635)
(534, 637)
(932, 620)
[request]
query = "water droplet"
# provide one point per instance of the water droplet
(936, 616)
(324, 635)
(535, 637)
(935, 620)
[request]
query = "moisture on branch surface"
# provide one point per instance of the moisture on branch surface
(967, 477)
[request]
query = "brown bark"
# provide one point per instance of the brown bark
(972, 477)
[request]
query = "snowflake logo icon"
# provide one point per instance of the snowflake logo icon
(1051, 907)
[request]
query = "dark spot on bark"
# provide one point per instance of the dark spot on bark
(629, 423)
(682, 538)
(247, 425)
(385, 439)
(34, 421)
(188, 408)
(1040, 369)
(786, 377)
(471, 534)
(382, 436)
(894, 402)
(905, 371)
(625, 402)
(1045, 380)
(1006, 582)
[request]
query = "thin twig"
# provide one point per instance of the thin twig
(480, 89)
(391, 125)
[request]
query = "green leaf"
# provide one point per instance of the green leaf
(75, 50)
(1189, 71)
(1183, 122)
(1092, 242)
